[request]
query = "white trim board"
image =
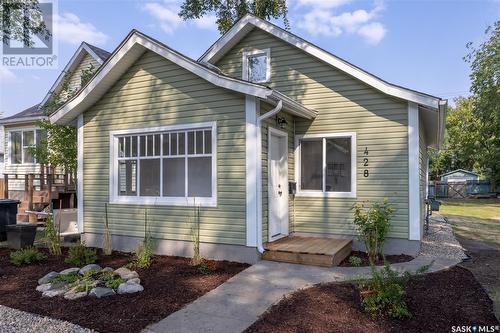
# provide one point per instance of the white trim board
(134, 45)
(79, 174)
(414, 231)
(251, 111)
(245, 25)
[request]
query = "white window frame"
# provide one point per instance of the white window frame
(323, 193)
(9, 147)
(247, 54)
(115, 198)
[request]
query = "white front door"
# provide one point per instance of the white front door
(277, 184)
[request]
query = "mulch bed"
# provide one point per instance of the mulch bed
(169, 284)
(437, 302)
(391, 259)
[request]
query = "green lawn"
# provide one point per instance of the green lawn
(476, 219)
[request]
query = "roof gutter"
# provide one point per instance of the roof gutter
(21, 120)
(277, 109)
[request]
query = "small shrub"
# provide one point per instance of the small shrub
(26, 256)
(144, 253)
(52, 237)
(80, 255)
(355, 261)
(70, 278)
(206, 268)
(111, 279)
(373, 224)
(383, 294)
(107, 247)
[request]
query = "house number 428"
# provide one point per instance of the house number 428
(366, 173)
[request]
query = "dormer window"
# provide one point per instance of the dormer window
(257, 66)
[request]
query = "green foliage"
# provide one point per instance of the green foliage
(194, 226)
(16, 26)
(383, 294)
(86, 75)
(228, 12)
(70, 278)
(143, 255)
(111, 279)
(107, 245)
(373, 224)
(355, 261)
(80, 255)
(52, 237)
(26, 256)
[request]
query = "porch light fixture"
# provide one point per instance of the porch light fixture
(281, 122)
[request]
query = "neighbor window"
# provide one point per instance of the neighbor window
(171, 165)
(22, 142)
(326, 164)
(256, 66)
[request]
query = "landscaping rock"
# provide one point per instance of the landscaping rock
(126, 273)
(48, 277)
(44, 287)
(69, 271)
(72, 295)
(88, 268)
(135, 280)
(129, 288)
(54, 292)
(101, 292)
(107, 269)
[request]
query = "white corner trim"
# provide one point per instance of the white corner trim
(184, 201)
(244, 61)
(251, 169)
(79, 174)
(413, 173)
(324, 194)
(240, 28)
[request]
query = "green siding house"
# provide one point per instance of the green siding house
(268, 134)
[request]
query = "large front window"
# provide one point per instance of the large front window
(326, 165)
(169, 165)
(22, 143)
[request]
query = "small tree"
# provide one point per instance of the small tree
(373, 224)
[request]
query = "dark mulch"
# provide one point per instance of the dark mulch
(169, 284)
(391, 259)
(437, 302)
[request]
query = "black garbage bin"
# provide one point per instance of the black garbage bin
(21, 235)
(8, 213)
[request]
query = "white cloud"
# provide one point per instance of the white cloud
(373, 32)
(207, 22)
(323, 3)
(6, 74)
(322, 20)
(72, 30)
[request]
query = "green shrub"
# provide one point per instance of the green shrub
(52, 237)
(67, 278)
(373, 224)
(383, 294)
(26, 256)
(143, 255)
(80, 255)
(355, 261)
(111, 279)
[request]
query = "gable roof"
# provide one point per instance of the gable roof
(459, 170)
(30, 114)
(242, 27)
(85, 48)
(131, 48)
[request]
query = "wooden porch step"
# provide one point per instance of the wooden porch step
(315, 251)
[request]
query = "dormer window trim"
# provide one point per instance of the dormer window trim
(256, 52)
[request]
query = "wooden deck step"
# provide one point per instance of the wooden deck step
(308, 250)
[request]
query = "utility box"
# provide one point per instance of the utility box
(8, 215)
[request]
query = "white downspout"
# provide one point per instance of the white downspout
(279, 106)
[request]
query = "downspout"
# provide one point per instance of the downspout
(279, 106)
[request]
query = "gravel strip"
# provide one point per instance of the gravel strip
(440, 242)
(15, 321)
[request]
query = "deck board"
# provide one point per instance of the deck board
(308, 250)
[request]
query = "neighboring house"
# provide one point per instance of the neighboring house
(261, 112)
(22, 130)
(459, 176)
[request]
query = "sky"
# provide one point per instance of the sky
(415, 44)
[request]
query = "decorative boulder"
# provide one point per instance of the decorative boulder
(107, 269)
(129, 288)
(88, 268)
(44, 287)
(101, 292)
(126, 273)
(72, 295)
(69, 271)
(48, 277)
(134, 280)
(54, 292)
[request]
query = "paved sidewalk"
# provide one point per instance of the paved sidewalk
(238, 303)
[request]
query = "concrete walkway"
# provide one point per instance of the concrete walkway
(238, 303)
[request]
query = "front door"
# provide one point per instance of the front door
(278, 184)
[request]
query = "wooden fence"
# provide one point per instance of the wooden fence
(458, 190)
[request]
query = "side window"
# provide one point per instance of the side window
(257, 66)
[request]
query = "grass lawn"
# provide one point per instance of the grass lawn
(476, 219)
